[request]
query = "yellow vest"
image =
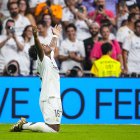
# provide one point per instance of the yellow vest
(106, 67)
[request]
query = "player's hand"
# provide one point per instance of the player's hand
(35, 31)
(57, 30)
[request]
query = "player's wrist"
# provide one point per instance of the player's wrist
(35, 36)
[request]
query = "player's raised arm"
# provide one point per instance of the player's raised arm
(38, 45)
(56, 34)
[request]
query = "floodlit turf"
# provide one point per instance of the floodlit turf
(76, 132)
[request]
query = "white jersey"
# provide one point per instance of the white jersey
(67, 15)
(82, 30)
(20, 24)
(132, 45)
(9, 51)
(49, 74)
(69, 46)
(122, 33)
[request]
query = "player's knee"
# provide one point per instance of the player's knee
(55, 127)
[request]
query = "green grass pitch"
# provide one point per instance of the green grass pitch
(76, 132)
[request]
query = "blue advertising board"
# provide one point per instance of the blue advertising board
(85, 100)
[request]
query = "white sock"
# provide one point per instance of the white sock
(39, 126)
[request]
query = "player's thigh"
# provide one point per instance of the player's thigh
(52, 110)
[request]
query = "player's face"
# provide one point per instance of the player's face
(105, 33)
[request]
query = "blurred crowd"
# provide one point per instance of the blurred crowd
(99, 37)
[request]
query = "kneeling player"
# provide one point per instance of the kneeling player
(50, 101)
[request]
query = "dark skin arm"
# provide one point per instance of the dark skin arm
(56, 32)
(38, 45)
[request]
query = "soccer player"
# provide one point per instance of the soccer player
(50, 101)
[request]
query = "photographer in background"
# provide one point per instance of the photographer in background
(20, 20)
(75, 72)
(122, 13)
(10, 45)
(82, 25)
(12, 69)
(101, 13)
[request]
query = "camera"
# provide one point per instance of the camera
(11, 69)
(100, 7)
(80, 9)
(75, 72)
(12, 30)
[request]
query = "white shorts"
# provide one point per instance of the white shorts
(51, 110)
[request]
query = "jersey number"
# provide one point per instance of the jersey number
(57, 113)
